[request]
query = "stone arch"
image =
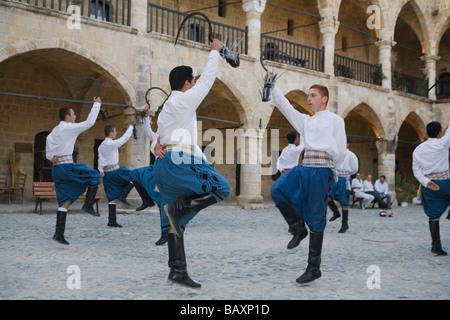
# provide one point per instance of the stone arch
(420, 28)
(364, 127)
(45, 68)
(410, 134)
(16, 49)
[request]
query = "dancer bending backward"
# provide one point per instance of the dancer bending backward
(186, 181)
(115, 177)
(341, 190)
(71, 179)
(431, 169)
(301, 194)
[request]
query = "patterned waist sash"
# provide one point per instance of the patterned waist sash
(186, 148)
(444, 175)
(111, 167)
(319, 159)
(63, 160)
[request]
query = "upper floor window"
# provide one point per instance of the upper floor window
(99, 10)
(221, 7)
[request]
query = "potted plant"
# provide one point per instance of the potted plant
(399, 195)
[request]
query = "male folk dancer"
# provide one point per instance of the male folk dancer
(302, 192)
(341, 189)
(288, 159)
(186, 181)
(145, 183)
(71, 179)
(431, 169)
(290, 155)
(115, 177)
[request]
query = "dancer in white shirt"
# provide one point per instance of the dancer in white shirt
(187, 183)
(71, 179)
(431, 169)
(290, 155)
(341, 189)
(302, 192)
(115, 178)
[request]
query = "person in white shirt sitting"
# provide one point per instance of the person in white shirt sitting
(358, 189)
(368, 188)
(381, 187)
(431, 169)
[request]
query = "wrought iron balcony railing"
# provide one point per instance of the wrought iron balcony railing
(167, 21)
(358, 70)
(409, 84)
(294, 53)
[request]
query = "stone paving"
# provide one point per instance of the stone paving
(235, 254)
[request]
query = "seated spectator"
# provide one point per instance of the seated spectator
(381, 187)
(358, 189)
(368, 188)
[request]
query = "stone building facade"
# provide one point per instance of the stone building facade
(378, 58)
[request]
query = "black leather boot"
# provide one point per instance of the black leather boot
(436, 247)
(163, 238)
(335, 210)
(296, 224)
(177, 209)
(344, 221)
(124, 194)
(177, 262)
(146, 200)
(60, 227)
(90, 200)
(112, 216)
(314, 258)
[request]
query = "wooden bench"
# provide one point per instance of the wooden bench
(45, 190)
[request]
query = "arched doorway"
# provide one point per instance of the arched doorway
(48, 73)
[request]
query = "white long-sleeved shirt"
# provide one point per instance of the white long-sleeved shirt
(381, 187)
(431, 156)
(324, 131)
(368, 186)
(357, 185)
(108, 151)
(349, 164)
(61, 141)
(289, 156)
(177, 122)
(148, 130)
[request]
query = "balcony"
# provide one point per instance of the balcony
(167, 21)
(115, 11)
(409, 84)
(294, 53)
(358, 70)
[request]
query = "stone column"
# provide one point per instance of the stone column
(253, 10)
(386, 162)
(249, 158)
(384, 58)
(430, 72)
(138, 150)
(328, 28)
